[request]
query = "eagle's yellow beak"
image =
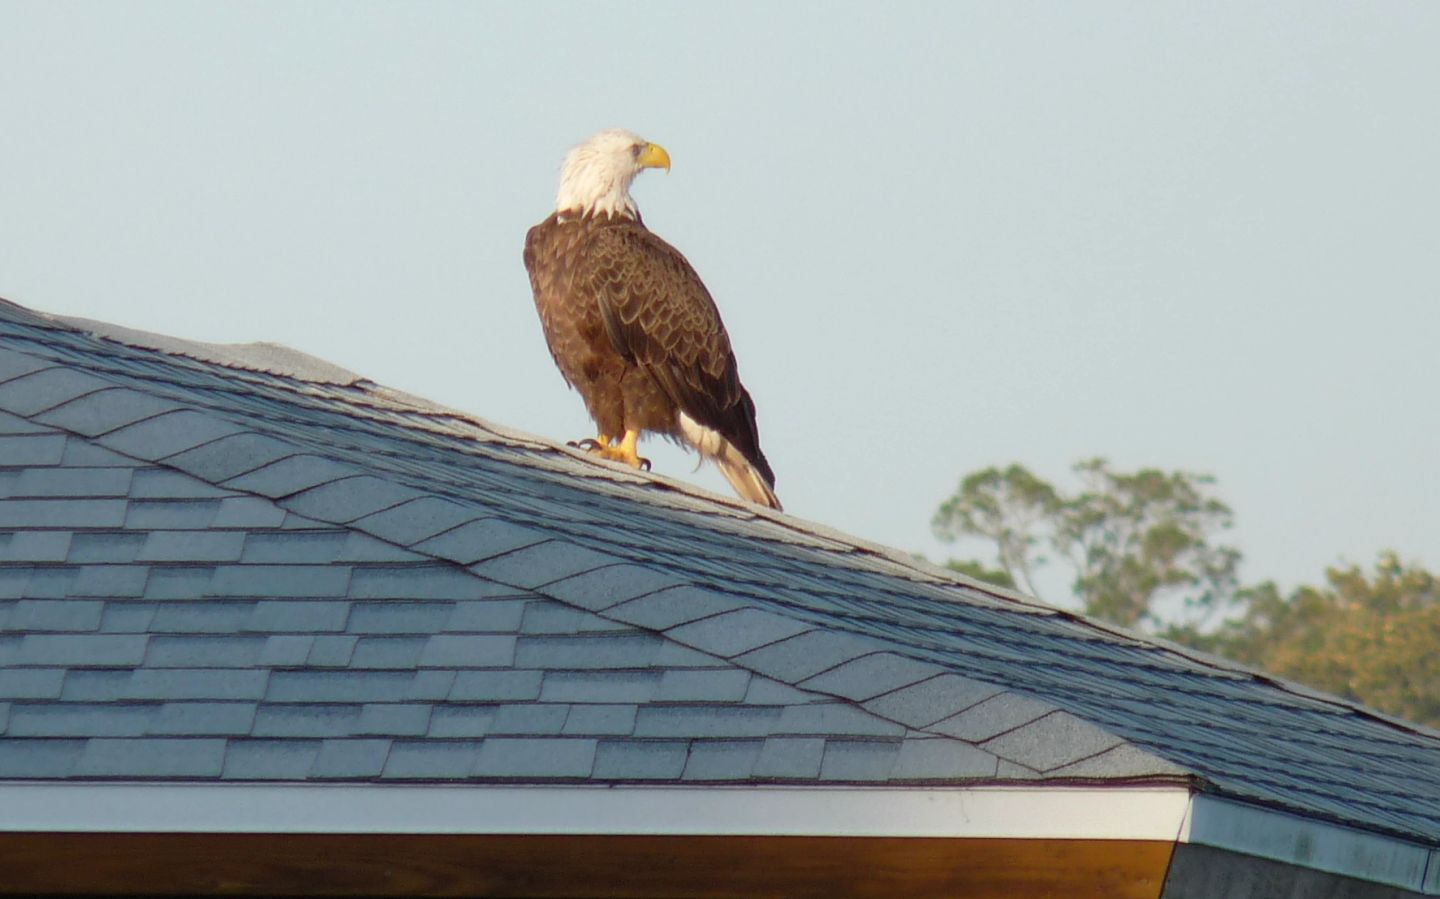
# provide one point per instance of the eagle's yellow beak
(654, 157)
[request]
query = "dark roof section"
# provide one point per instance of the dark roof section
(222, 565)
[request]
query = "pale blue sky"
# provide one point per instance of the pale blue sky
(943, 236)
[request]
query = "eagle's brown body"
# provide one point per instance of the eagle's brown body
(634, 330)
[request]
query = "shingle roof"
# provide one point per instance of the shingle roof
(243, 564)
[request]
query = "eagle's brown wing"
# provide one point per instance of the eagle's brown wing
(659, 314)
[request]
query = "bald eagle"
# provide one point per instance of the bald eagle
(631, 326)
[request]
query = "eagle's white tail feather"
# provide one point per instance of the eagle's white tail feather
(712, 445)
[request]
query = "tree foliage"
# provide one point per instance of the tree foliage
(1374, 637)
(1131, 540)
(1143, 549)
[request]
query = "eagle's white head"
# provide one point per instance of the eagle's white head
(596, 175)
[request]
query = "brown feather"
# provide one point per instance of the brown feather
(633, 329)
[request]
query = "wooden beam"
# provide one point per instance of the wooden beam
(606, 867)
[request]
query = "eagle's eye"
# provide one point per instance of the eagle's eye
(635, 150)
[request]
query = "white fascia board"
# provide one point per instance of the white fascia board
(1104, 813)
(1307, 843)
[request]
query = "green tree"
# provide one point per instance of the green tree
(1374, 638)
(1142, 547)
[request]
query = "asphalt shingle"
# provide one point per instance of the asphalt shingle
(144, 601)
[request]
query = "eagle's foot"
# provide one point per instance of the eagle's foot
(589, 444)
(624, 451)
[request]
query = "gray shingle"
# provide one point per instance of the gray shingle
(340, 686)
(399, 617)
(416, 520)
(599, 686)
(270, 759)
(494, 686)
(109, 581)
(1123, 761)
(39, 583)
(492, 615)
(307, 720)
(105, 685)
(80, 453)
(192, 546)
(230, 456)
(248, 512)
(605, 587)
(35, 546)
(828, 718)
(870, 676)
(202, 651)
(542, 563)
(706, 721)
(280, 580)
(34, 393)
(71, 481)
(600, 720)
(351, 759)
(31, 683)
(188, 582)
(55, 615)
(480, 540)
(732, 633)
(518, 757)
(942, 759)
(127, 618)
(858, 760)
(90, 650)
(81, 719)
(204, 718)
(677, 605)
(166, 483)
(431, 760)
(1054, 740)
(925, 703)
(14, 424)
(640, 759)
(995, 715)
(469, 651)
(39, 758)
(151, 757)
(722, 760)
(290, 475)
(60, 513)
(589, 651)
(704, 685)
(529, 718)
(167, 434)
(120, 546)
(171, 514)
(793, 660)
(331, 651)
(294, 547)
(790, 758)
(347, 499)
(387, 652)
(32, 449)
(432, 685)
(199, 617)
(364, 548)
(457, 720)
(106, 410)
(286, 650)
(298, 616)
(15, 364)
(438, 581)
(174, 683)
(764, 691)
(546, 617)
(395, 719)
(4, 717)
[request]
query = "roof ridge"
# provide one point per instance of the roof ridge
(481, 431)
